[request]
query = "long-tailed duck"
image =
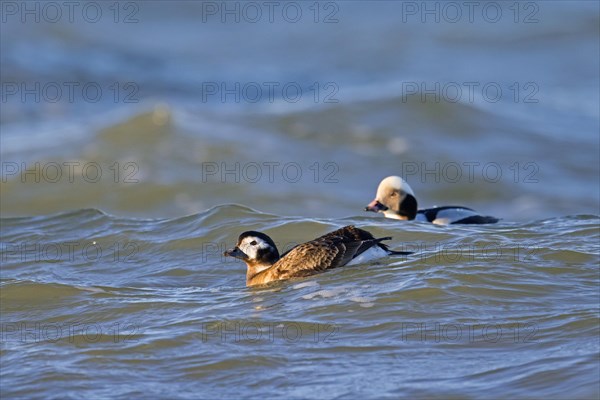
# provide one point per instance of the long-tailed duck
(395, 199)
(346, 246)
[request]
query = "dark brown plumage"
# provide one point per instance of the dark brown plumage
(332, 250)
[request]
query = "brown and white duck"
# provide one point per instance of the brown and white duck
(346, 246)
(395, 199)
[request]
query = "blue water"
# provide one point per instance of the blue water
(134, 152)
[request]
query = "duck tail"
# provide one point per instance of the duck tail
(391, 252)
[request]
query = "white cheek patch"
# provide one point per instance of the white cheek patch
(252, 250)
(249, 250)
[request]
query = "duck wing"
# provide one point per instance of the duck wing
(351, 232)
(321, 254)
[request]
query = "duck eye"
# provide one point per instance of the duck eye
(253, 243)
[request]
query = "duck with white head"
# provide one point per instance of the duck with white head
(396, 199)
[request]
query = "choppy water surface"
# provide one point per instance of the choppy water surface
(476, 312)
(115, 214)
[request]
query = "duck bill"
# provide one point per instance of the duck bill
(236, 253)
(375, 206)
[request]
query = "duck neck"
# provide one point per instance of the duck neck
(255, 269)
